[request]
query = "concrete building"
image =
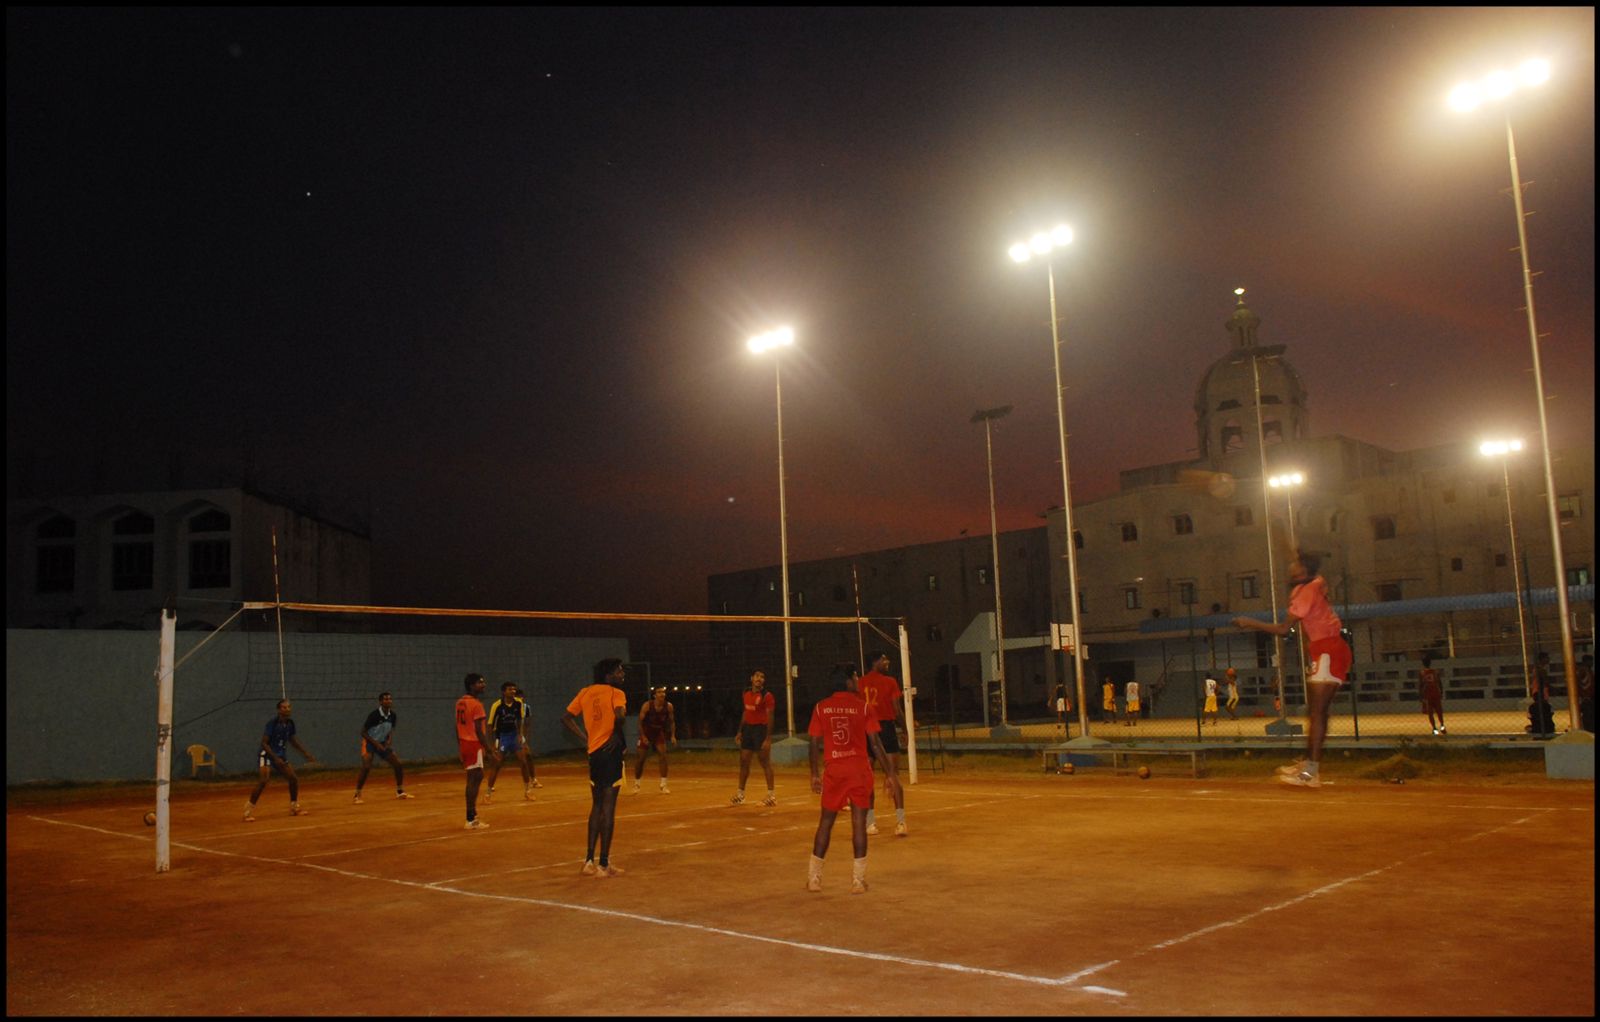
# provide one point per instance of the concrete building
(1183, 546)
(111, 560)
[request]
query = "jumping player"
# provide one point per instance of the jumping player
(1327, 655)
(844, 736)
(1211, 700)
(755, 736)
(474, 743)
(508, 724)
(882, 694)
(377, 739)
(1431, 689)
(596, 716)
(657, 727)
(275, 740)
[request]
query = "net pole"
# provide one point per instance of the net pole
(164, 661)
(277, 597)
(861, 648)
(906, 692)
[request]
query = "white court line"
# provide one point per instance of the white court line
(718, 931)
(1290, 903)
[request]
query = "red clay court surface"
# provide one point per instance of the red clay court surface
(1015, 893)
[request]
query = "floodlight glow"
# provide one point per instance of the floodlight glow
(1239, 291)
(1040, 243)
(1061, 235)
(1499, 85)
(1499, 448)
(1464, 97)
(1286, 480)
(1534, 72)
(779, 338)
(1020, 252)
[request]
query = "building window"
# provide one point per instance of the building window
(1272, 432)
(1456, 564)
(933, 583)
(1499, 560)
(1130, 532)
(210, 556)
(1578, 576)
(1271, 399)
(1182, 525)
(1130, 597)
(1229, 403)
(57, 555)
(1569, 505)
(1389, 592)
(1077, 539)
(1186, 593)
(1242, 517)
(1249, 587)
(1232, 439)
(1383, 527)
(983, 576)
(935, 633)
(133, 552)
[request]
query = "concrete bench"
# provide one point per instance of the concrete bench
(1121, 753)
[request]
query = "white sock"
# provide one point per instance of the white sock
(814, 869)
(858, 870)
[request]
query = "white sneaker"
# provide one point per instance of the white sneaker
(872, 828)
(403, 794)
(249, 814)
(1302, 779)
(476, 825)
(537, 783)
(636, 787)
(589, 868)
(1298, 766)
(488, 796)
(769, 801)
(356, 800)
(527, 793)
(899, 830)
(814, 884)
(601, 872)
(738, 799)
(664, 789)
(1442, 730)
(858, 887)
(295, 810)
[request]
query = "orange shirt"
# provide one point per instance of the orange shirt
(843, 721)
(882, 694)
(1309, 602)
(469, 708)
(597, 705)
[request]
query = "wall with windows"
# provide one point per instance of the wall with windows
(110, 561)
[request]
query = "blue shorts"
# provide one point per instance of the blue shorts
(376, 749)
(266, 761)
(508, 744)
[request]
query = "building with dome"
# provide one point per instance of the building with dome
(1414, 546)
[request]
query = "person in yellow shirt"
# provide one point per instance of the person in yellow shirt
(595, 716)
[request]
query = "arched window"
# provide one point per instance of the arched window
(133, 552)
(210, 550)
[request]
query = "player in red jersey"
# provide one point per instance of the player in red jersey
(755, 736)
(844, 734)
(882, 693)
(474, 743)
(1327, 654)
(658, 727)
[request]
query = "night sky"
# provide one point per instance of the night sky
(484, 278)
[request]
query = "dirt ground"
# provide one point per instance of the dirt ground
(1016, 893)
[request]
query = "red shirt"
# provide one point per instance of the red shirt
(843, 722)
(469, 708)
(1309, 602)
(758, 708)
(882, 694)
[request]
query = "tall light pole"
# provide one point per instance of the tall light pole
(1497, 87)
(987, 416)
(1042, 244)
(1287, 482)
(772, 340)
(1280, 725)
(1502, 449)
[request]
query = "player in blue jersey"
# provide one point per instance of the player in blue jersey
(275, 741)
(377, 739)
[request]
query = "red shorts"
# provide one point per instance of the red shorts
(844, 785)
(471, 754)
(1338, 656)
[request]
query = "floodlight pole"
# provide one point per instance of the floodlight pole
(1568, 660)
(1280, 725)
(1066, 509)
(783, 542)
(987, 416)
(1516, 574)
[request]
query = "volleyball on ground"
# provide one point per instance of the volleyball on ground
(150, 818)
(1144, 773)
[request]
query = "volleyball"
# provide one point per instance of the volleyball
(150, 818)
(1144, 773)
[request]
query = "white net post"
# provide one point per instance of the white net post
(164, 668)
(907, 690)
